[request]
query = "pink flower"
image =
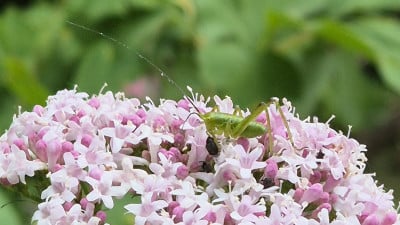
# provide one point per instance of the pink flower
(146, 210)
(120, 134)
(18, 166)
(247, 209)
(246, 161)
(103, 190)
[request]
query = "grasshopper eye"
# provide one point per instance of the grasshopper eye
(211, 146)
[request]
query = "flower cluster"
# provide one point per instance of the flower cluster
(93, 150)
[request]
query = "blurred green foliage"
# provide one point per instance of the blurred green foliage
(327, 57)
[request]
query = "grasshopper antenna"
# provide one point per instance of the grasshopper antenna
(162, 73)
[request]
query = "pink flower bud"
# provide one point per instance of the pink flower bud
(312, 194)
(389, 219)
(228, 220)
(41, 150)
(262, 118)
(141, 113)
(94, 102)
(57, 167)
(330, 183)
(298, 193)
(316, 177)
(20, 144)
(159, 122)
(67, 206)
(102, 215)
(320, 207)
(67, 146)
(176, 125)
(271, 169)
(84, 202)
(178, 213)
(135, 119)
(86, 140)
(183, 103)
(96, 173)
(179, 139)
(182, 172)
(211, 217)
(171, 206)
(38, 109)
(53, 153)
(75, 119)
(371, 220)
(244, 142)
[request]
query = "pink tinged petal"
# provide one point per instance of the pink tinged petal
(313, 193)
(371, 220)
(324, 206)
(41, 147)
(369, 208)
(331, 183)
(390, 218)
(96, 173)
(298, 193)
(315, 177)
(211, 217)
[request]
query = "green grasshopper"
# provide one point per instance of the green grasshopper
(233, 125)
(217, 123)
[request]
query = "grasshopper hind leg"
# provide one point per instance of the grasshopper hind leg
(275, 101)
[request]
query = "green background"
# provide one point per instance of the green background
(328, 57)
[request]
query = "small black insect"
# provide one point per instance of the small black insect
(206, 167)
(211, 146)
(268, 182)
